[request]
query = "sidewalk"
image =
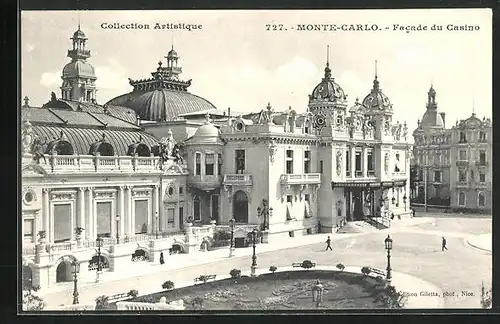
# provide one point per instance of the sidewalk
(482, 242)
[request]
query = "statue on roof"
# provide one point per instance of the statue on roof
(27, 137)
(37, 150)
(53, 96)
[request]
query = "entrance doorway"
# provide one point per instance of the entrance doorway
(63, 272)
(240, 207)
(239, 242)
(357, 199)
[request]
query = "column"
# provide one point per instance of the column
(90, 212)
(365, 162)
(81, 201)
(353, 161)
(130, 214)
(156, 210)
(46, 213)
(121, 211)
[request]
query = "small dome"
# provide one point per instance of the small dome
(172, 53)
(79, 34)
(472, 122)
(430, 119)
(328, 90)
(207, 130)
(78, 68)
(376, 100)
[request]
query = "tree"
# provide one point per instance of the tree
(307, 264)
(168, 285)
(485, 297)
(340, 266)
(31, 302)
(102, 302)
(273, 269)
(133, 293)
(197, 303)
(235, 273)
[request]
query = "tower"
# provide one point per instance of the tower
(78, 75)
(172, 70)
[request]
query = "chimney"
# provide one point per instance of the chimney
(443, 116)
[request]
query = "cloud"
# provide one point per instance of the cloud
(112, 76)
(51, 79)
(353, 86)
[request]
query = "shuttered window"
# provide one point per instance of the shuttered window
(103, 210)
(62, 222)
(141, 216)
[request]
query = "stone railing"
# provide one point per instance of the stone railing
(399, 175)
(205, 182)
(89, 163)
(135, 306)
(306, 178)
(237, 179)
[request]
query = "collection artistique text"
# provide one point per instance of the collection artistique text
(176, 26)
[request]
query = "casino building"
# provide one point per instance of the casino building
(161, 169)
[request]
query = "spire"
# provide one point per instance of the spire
(431, 96)
(328, 72)
(375, 81)
(473, 108)
(26, 101)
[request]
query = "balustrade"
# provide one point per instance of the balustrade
(306, 178)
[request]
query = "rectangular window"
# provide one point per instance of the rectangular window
(348, 163)
(307, 162)
(181, 190)
(209, 164)
(289, 161)
(461, 199)
(170, 216)
(196, 209)
(358, 164)
(320, 166)
(240, 161)
(437, 176)
(482, 177)
(62, 223)
(288, 207)
(219, 164)
(141, 209)
(480, 199)
(462, 155)
(482, 136)
(421, 175)
(482, 158)
(289, 199)
(369, 158)
(28, 229)
(181, 217)
(103, 216)
(198, 164)
(462, 176)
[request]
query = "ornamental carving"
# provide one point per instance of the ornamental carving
(272, 151)
(29, 196)
(339, 162)
(386, 163)
(104, 194)
(141, 193)
(230, 190)
(62, 196)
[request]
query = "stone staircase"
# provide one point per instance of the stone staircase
(356, 227)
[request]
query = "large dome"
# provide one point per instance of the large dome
(162, 104)
(376, 99)
(431, 118)
(78, 68)
(328, 89)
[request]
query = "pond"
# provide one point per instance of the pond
(279, 291)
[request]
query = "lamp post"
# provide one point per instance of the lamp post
(405, 198)
(266, 212)
(254, 257)
(231, 226)
(157, 218)
(317, 293)
(425, 187)
(76, 270)
(99, 243)
(117, 229)
(388, 247)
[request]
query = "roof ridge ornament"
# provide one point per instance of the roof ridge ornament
(207, 118)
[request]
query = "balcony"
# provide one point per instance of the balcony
(300, 179)
(205, 182)
(95, 164)
(481, 163)
(462, 162)
(237, 179)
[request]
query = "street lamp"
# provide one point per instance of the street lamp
(317, 293)
(266, 212)
(231, 226)
(388, 247)
(393, 198)
(76, 270)
(98, 243)
(157, 218)
(254, 257)
(117, 229)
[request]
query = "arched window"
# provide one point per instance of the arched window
(461, 199)
(481, 199)
(59, 147)
(103, 148)
(463, 138)
(140, 149)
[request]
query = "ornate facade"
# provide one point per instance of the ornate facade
(147, 181)
(452, 166)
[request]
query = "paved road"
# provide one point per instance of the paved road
(416, 251)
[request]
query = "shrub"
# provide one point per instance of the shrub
(133, 293)
(235, 273)
(102, 302)
(169, 284)
(366, 271)
(203, 278)
(32, 302)
(273, 269)
(197, 303)
(307, 264)
(485, 297)
(340, 266)
(392, 298)
(222, 236)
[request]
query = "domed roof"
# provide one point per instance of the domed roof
(79, 34)
(207, 130)
(79, 68)
(162, 104)
(430, 119)
(328, 89)
(472, 122)
(172, 53)
(376, 99)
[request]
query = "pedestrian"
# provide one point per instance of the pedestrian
(413, 212)
(328, 246)
(443, 244)
(161, 258)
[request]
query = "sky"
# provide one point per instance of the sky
(235, 62)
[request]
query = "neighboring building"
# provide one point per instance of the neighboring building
(146, 173)
(455, 162)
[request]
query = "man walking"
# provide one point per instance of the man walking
(161, 258)
(328, 246)
(443, 245)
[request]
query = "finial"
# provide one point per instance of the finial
(26, 101)
(172, 41)
(327, 55)
(78, 19)
(473, 108)
(103, 137)
(159, 63)
(375, 69)
(207, 118)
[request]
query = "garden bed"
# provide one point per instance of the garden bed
(279, 291)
